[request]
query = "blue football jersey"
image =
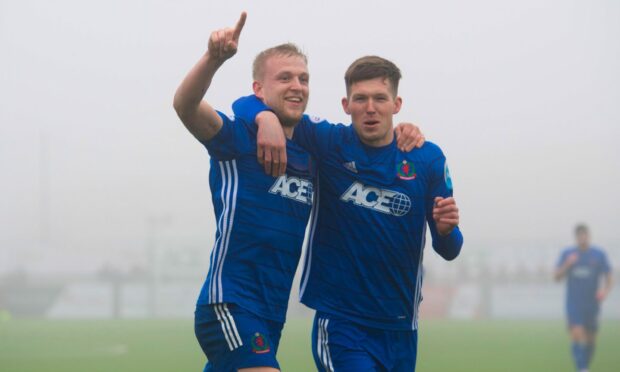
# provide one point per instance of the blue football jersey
(261, 222)
(582, 279)
(368, 225)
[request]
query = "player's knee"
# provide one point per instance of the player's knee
(578, 333)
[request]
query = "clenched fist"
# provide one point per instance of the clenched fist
(446, 215)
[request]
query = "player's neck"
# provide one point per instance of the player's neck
(288, 131)
(583, 247)
(379, 143)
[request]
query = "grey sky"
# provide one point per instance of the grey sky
(522, 96)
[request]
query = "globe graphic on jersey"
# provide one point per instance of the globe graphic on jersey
(400, 205)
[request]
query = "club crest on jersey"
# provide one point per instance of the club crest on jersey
(294, 188)
(260, 344)
(380, 200)
(406, 171)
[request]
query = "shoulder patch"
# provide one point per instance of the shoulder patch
(447, 177)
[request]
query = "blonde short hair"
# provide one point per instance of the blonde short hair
(283, 50)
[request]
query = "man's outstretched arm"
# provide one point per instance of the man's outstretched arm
(195, 113)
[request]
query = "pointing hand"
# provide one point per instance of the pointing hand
(223, 43)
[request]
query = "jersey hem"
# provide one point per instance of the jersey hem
(251, 308)
(403, 325)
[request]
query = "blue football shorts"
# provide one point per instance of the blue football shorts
(233, 338)
(583, 314)
(339, 345)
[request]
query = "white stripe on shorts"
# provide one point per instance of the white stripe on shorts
(229, 328)
(323, 346)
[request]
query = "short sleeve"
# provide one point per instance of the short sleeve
(232, 139)
(561, 259)
(606, 265)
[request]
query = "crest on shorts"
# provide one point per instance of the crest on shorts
(260, 344)
(406, 171)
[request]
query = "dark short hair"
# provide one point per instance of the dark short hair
(282, 50)
(581, 228)
(372, 67)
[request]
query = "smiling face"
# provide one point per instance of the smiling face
(283, 85)
(372, 104)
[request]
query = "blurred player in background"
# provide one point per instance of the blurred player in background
(363, 269)
(588, 281)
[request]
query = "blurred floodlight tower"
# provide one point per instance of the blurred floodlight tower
(154, 225)
(44, 191)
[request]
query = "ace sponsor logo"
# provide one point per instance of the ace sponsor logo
(380, 200)
(298, 189)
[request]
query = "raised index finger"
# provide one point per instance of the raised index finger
(239, 25)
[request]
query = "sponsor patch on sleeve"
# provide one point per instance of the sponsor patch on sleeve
(446, 176)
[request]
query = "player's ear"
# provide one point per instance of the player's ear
(398, 103)
(257, 87)
(345, 105)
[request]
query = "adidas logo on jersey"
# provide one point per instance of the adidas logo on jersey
(380, 200)
(350, 165)
(294, 188)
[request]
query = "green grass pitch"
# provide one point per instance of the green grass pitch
(169, 345)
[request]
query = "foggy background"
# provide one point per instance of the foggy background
(105, 207)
